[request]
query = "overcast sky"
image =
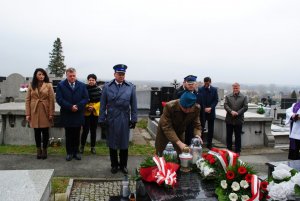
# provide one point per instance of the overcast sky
(255, 41)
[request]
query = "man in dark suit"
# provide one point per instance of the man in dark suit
(72, 96)
(208, 100)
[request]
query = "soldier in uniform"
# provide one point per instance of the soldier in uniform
(176, 116)
(118, 114)
(189, 84)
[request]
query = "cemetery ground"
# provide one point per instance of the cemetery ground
(97, 167)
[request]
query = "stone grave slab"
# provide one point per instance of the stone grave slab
(20, 185)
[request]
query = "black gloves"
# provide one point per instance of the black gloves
(132, 124)
(103, 125)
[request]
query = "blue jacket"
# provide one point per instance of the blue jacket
(118, 107)
(208, 98)
(66, 97)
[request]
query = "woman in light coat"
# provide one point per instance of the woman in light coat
(40, 109)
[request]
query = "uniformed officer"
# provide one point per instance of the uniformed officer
(189, 84)
(118, 112)
(176, 116)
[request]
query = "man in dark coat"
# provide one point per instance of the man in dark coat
(208, 100)
(189, 84)
(72, 96)
(176, 116)
(236, 104)
(118, 112)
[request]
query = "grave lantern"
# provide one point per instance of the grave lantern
(170, 152)
(196, 149)
(185, 160)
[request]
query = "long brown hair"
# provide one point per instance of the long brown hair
(34, 83)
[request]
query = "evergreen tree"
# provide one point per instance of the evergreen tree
(56, 65)
(294, 95)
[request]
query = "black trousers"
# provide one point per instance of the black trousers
(123, 154)
(294, 149)
(89, 126)
(189, 134)
(72, 139)
(210, 128)
(237, 130)
(41, 134)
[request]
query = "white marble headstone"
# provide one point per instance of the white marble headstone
(25, 185)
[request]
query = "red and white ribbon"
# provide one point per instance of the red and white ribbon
(232, 158)
(221, 155)
(255, 187)
(220, 158)
(164, 175)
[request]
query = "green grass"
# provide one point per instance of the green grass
(142, 123)
(59, 184)
(101, 149)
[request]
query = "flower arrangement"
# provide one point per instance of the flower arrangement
(239, 182)
(214, 162)
(156, 169)
(23, 88)
(260, 109)
(235, 180)
(206, 169)
(55, 142)
(284, 182)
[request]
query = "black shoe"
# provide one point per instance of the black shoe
(93, 150)
(114, 170)
(69, 157)
(124, 170)
(77, 156)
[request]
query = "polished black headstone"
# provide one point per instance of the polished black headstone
(189, 186)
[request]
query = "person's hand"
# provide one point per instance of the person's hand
(181, 145)
(103, 125)
(199, 137)
(28, 118)
(50, 117)
(132, 124)
(74, 108)
(234, 113)
(90, 108)
(207, 110)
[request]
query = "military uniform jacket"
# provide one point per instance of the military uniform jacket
(118, 108)
(172, 125)
(238, 103)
